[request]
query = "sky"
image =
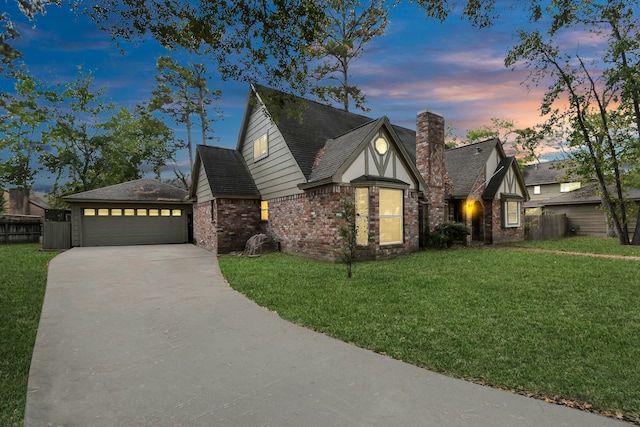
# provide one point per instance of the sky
(450, 68)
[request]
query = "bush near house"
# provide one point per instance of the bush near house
(446, 234)
(558, 327)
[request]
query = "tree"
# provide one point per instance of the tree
(350, 25)
(602, 95)
(20, 131)
(93, 144)
(348, 233)
(182, 92)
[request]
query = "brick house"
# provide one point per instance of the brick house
(289, 173)
(487, 192)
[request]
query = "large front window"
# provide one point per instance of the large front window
(362, 216)
(390, 216)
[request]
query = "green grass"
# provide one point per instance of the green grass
(597, 245)
(23, 276)
(565, 327)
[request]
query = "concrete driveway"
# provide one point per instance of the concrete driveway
(152, 336)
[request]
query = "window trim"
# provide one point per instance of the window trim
(506, 211)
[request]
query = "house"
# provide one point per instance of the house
(545, 181)
(487, 191)
(288, 177)
(139, 212)
(24, 203)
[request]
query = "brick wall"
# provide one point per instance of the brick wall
(204, 229)
(307, 224)
(430, 162)
(502, 234)
(229, 228)
(236, 220)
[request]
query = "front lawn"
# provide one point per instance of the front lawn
(548, 325)
(23, 278)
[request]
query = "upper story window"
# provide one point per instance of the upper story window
(260, 148)
(536, 189)
(566, 187)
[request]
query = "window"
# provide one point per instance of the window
(141, 212)
(362, 216)
(165, 212)
(566, 187)
(129, 212)
(154, 212)
(103, 212)
(511, 213)
(116, 212)
(260, 148)
(536, 189)
(390, 216)
(176, 212)
(89, 212)
(264, 210)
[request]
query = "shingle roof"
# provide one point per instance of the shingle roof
(544, 173)
(307, 135)
(585, 195)
(339, 149)
(464, 165)
(227, 172)
(140, 190)
(494, 183)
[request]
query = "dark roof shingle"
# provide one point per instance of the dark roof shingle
(227, 172)
(140, 190)
(464, 165)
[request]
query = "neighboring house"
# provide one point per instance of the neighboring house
(24, 204)
(289, 180)
(545, 181)
(487, 191)
(140, 212)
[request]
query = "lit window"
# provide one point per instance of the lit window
(260, 148)
(264, 210)
(511, 213)
(165, 212)
(103, 212)
(154, 212)
(536, 189)
(89, 212)
(381, 145)
(362, 216)
(116, 212)
(390, 216)
(141, 212)
(566, 187)
(129, 212)
(176, 212)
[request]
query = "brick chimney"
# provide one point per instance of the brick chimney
(430, 162)
(19, 201)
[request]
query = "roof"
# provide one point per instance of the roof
(140, 190)
(544, 173)
(318, 123)
(493, 185)
(588, 194)
(227, 172)
(465, 164)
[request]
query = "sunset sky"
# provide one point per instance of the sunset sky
(449, 67)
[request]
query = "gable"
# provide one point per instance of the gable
(465, 165)
(372, 150)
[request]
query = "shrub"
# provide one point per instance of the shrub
(443, 235)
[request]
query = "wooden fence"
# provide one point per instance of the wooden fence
(545, 227)
(57, 235)
(20, 230)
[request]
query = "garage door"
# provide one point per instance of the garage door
(133, 226)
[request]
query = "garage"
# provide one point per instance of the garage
(140, 212)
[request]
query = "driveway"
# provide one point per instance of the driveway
(153, 336)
